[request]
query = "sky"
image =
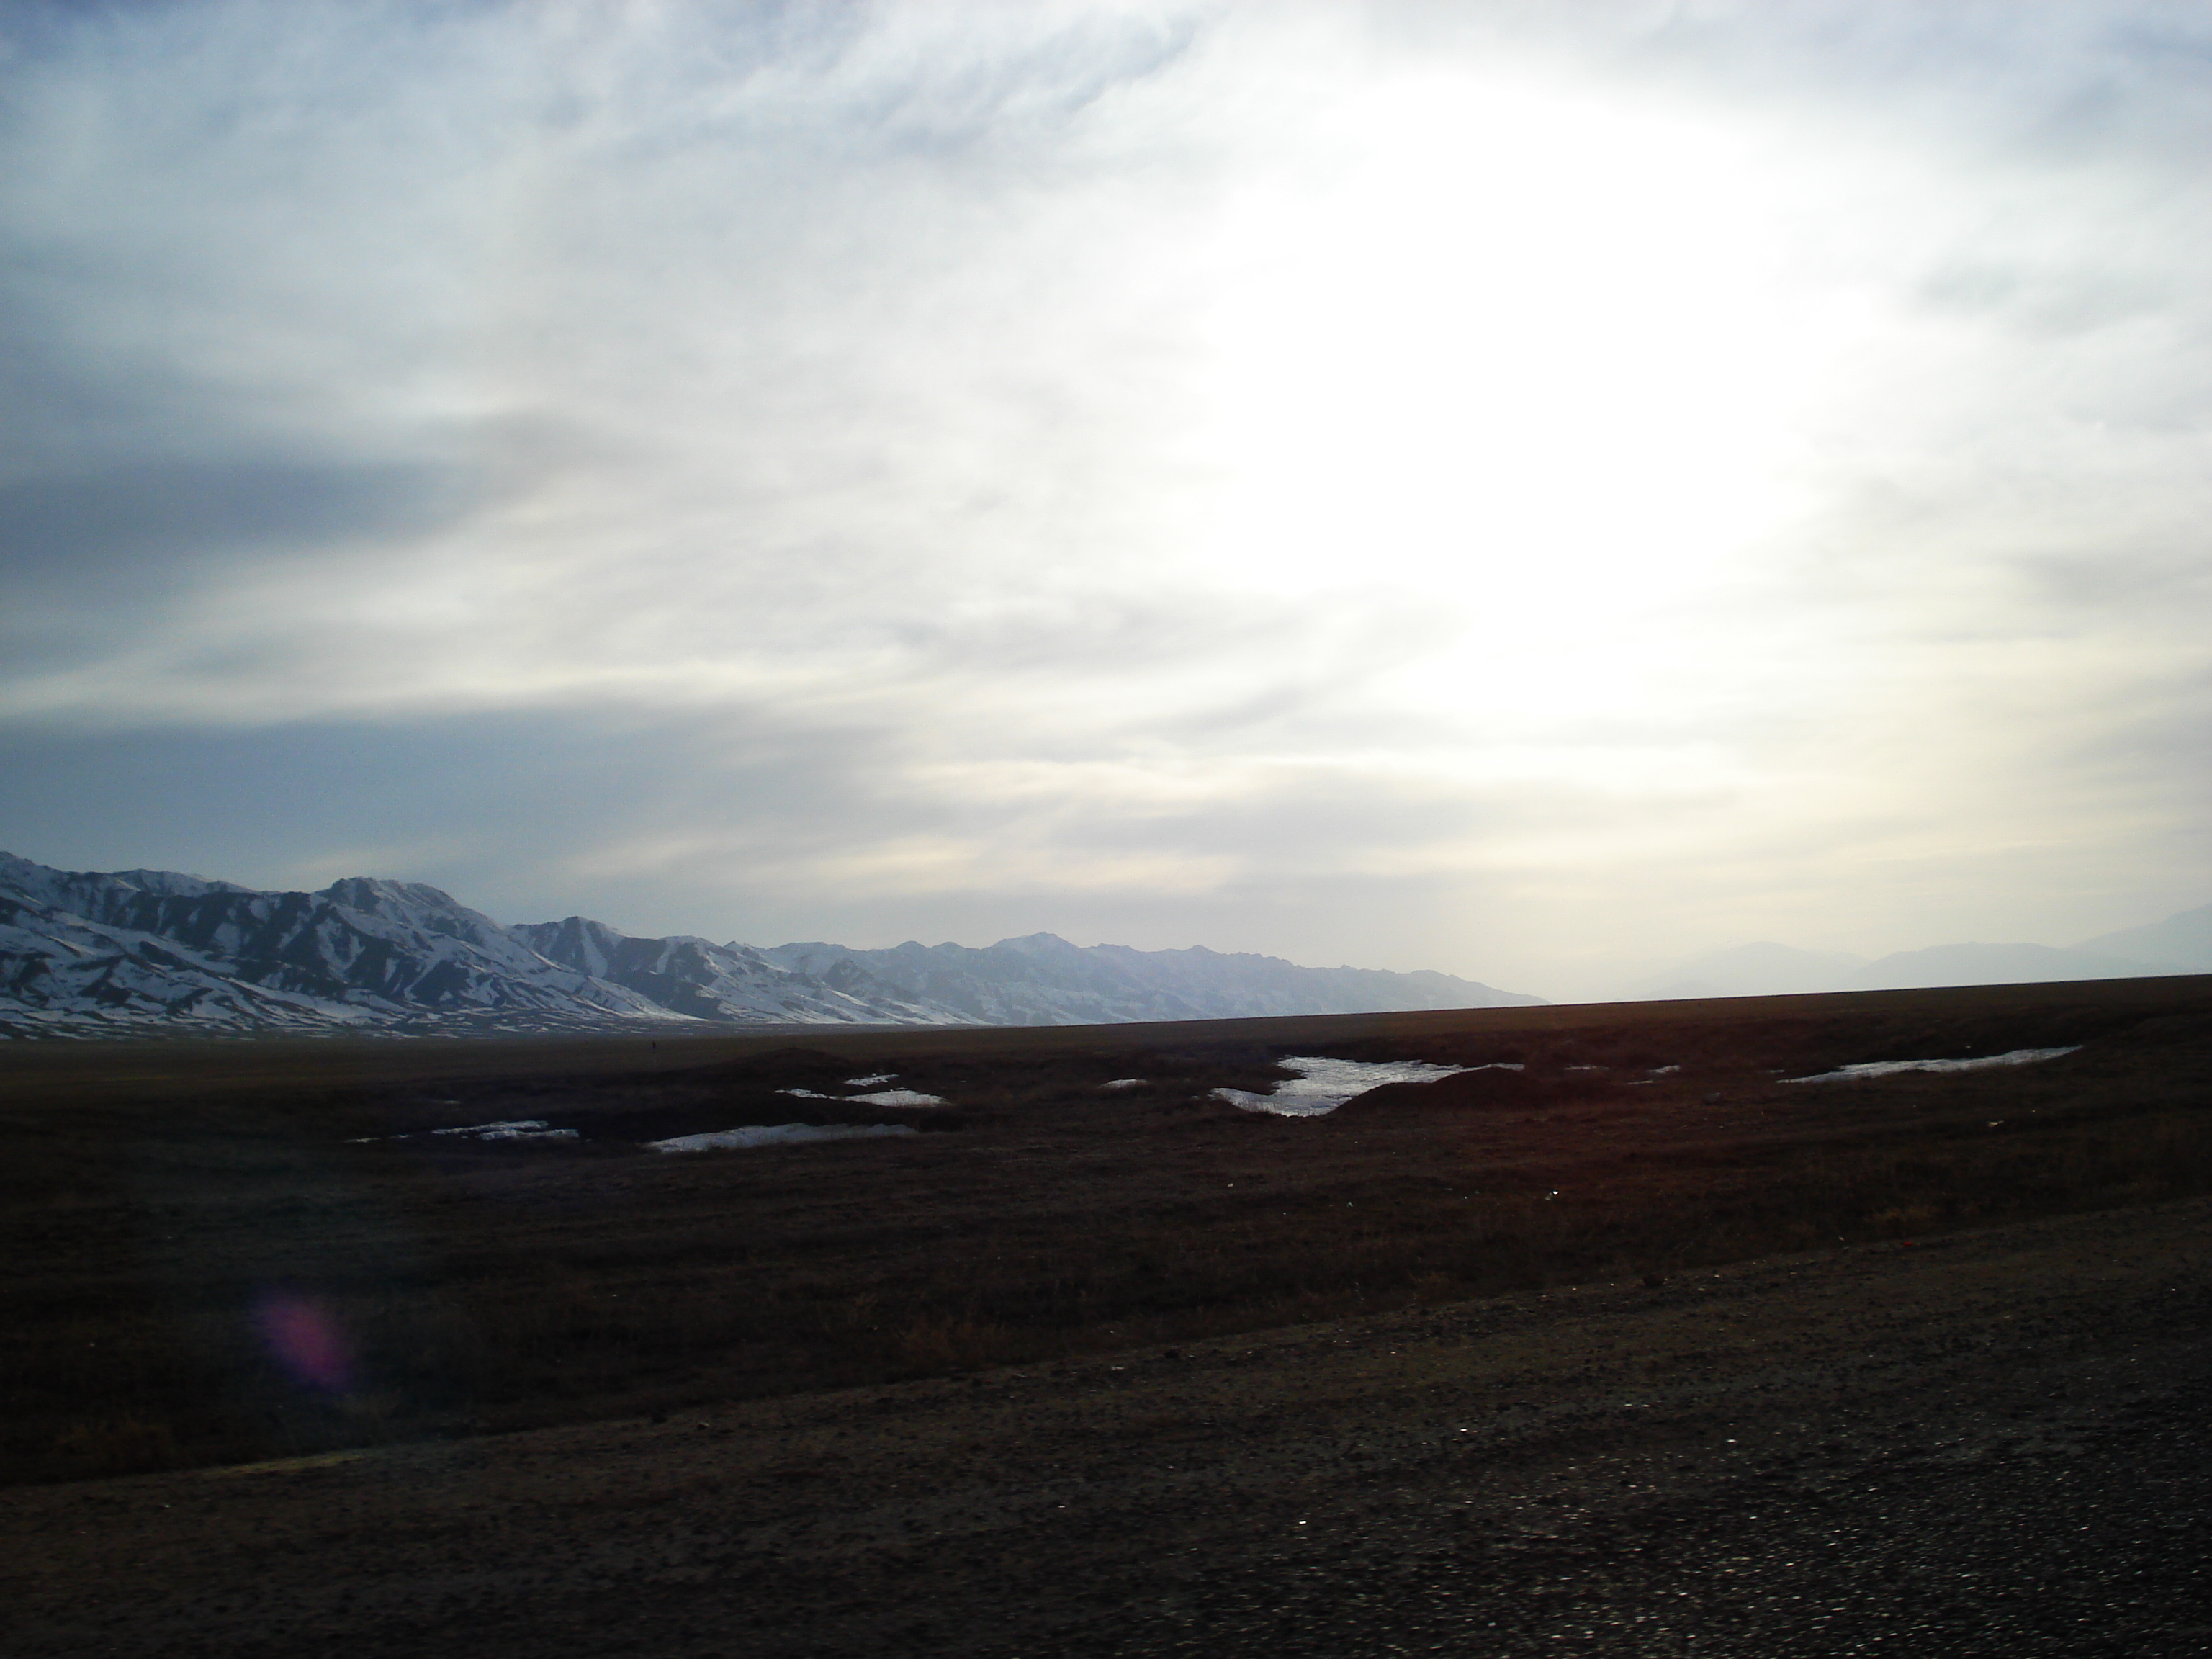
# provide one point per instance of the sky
(1528, 490)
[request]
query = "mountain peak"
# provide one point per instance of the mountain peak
(374, 892)
(1036, 945)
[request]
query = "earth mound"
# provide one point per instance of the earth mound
(1488, 1088)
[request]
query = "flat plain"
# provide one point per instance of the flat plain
(1641, 1348)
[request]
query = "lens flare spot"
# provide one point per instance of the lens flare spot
(306, 1339)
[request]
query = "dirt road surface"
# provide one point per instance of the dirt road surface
(1992, 1443)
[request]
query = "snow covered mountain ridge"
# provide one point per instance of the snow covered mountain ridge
(154, 951)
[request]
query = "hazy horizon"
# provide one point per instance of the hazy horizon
(1759, 968)
(1516, 490)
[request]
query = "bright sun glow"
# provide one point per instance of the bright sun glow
(1534, 356)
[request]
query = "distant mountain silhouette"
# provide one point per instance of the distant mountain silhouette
(2181, 943)
(1995, 964)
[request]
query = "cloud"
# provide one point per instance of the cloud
(1522, 485)
(163, 518)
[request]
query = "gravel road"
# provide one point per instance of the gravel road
(1997, 1442)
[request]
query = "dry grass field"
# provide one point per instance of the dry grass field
(211, 1261)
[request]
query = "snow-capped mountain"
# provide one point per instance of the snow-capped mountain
(84, 954)
(1042, 979)
(735, 984)
(139, 948)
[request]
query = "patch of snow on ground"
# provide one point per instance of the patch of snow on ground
(869, 1082)
(777, 1134)
(1888, 1067)
(809, 1094)
(896, 1098)
(1124, 1082)
(1322, 1086)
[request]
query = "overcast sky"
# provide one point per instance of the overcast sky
(1523, 490)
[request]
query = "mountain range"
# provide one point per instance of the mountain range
(154, 951)
(2181, 943)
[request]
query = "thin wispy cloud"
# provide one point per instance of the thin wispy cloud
(1498, 488)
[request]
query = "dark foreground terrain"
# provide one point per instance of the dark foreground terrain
(1998, 1444)
(1594, 1356)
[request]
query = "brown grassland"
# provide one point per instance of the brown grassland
(157, 1198)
